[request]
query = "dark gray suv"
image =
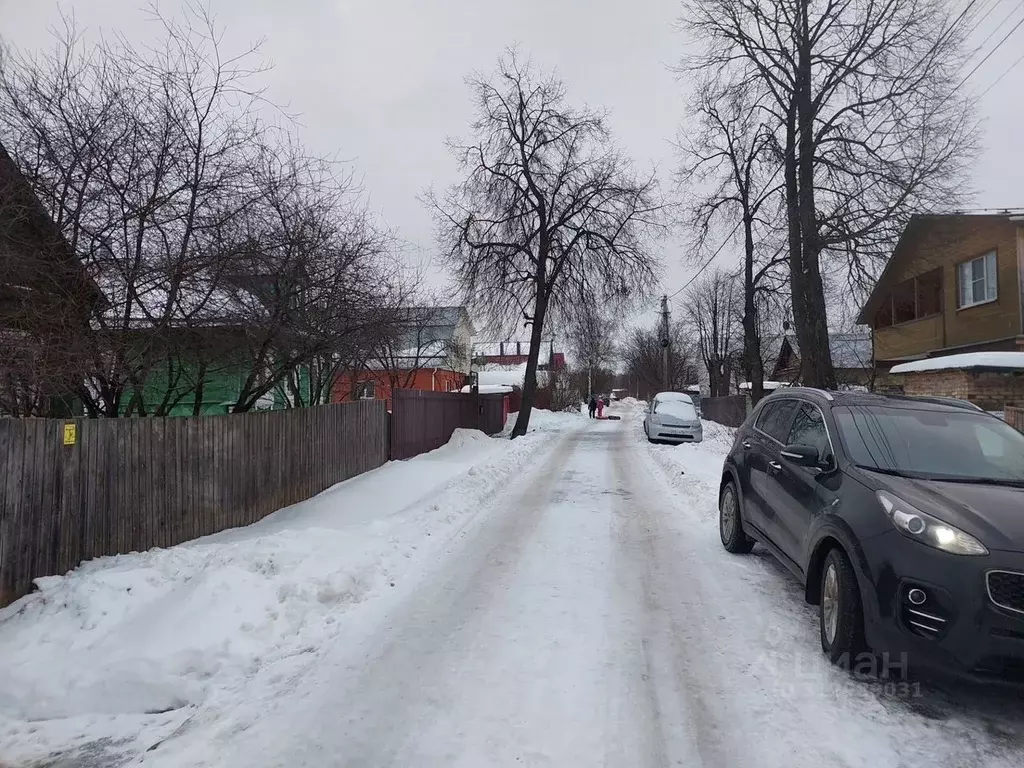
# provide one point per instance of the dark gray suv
(903, 517)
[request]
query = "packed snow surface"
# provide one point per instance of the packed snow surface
(1013, 361)
(561, 599)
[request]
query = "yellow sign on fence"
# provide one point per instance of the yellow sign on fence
(70, 433)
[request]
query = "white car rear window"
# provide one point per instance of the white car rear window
(677, 408)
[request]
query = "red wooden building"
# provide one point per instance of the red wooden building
(431, 354)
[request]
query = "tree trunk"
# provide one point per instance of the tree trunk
(751, 339)
(809, 311)
(530, 382)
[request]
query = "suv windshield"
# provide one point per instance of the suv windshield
(940, 445)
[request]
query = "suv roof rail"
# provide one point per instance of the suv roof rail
(956, 402)
(823, 392)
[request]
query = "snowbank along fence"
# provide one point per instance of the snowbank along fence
(75, 490)
(422, 421)
(730, 411)
(1014, 417)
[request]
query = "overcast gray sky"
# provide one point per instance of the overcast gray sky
(380, 82)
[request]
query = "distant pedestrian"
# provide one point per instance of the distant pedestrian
(600, 407)
(592, 406)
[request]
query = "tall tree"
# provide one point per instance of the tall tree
(592, 339)
(643, 360)
(215, 239)
(869, 121)
(550, 216)
(712, 313)
(732, 150)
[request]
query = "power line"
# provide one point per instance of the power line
(998, 26)
(979, 22)
(1006, 37)
(720, 248)
(957, 21)
(1008, 70)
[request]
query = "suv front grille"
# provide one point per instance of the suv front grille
(1006, 589)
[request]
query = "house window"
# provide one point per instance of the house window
(904, 302)
(367, 390)
(912, 299)
(929, 293)
(978, 281)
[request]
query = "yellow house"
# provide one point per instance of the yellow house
(954, 284)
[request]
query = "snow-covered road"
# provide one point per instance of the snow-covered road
(579, 612)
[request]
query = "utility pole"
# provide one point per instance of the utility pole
(664, 343)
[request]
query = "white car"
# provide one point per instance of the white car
(672, 418)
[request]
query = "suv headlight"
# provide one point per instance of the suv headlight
(918, 525)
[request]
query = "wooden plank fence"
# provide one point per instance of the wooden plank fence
(129, 485)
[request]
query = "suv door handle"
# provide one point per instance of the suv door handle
(774, 465)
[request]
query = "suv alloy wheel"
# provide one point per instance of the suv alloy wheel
(839, 612)
(730, 522)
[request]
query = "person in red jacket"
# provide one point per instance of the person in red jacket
(600, 407)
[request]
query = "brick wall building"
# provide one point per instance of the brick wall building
(991, 390)
(991, 380)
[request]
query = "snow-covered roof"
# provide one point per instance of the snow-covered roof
(191, 304)
(1010, 361)
(489, 389)
(745, 385)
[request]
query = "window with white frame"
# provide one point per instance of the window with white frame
(367, 390)
(978, 280)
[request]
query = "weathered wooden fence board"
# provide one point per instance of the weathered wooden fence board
(730, 411)
(133, 484)
(423, 421)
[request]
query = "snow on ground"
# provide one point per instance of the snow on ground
(545, 421)
(127, 648)
(560, 600)
(763, 653)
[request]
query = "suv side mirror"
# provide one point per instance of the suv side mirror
(802, 455)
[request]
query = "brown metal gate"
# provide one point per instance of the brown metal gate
(424, 421)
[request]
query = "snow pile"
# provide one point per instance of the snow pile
(545, 421)
(489, 389)
(127, 637)
(690, 465)
(1013, 361)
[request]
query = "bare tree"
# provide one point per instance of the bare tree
(310, 277)
(869, 124)
(418, 338)
(642, 356)
(733, 151)
(216, 241)
(550, 214)
(139, 158)
(712, 313)
(592, 336)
